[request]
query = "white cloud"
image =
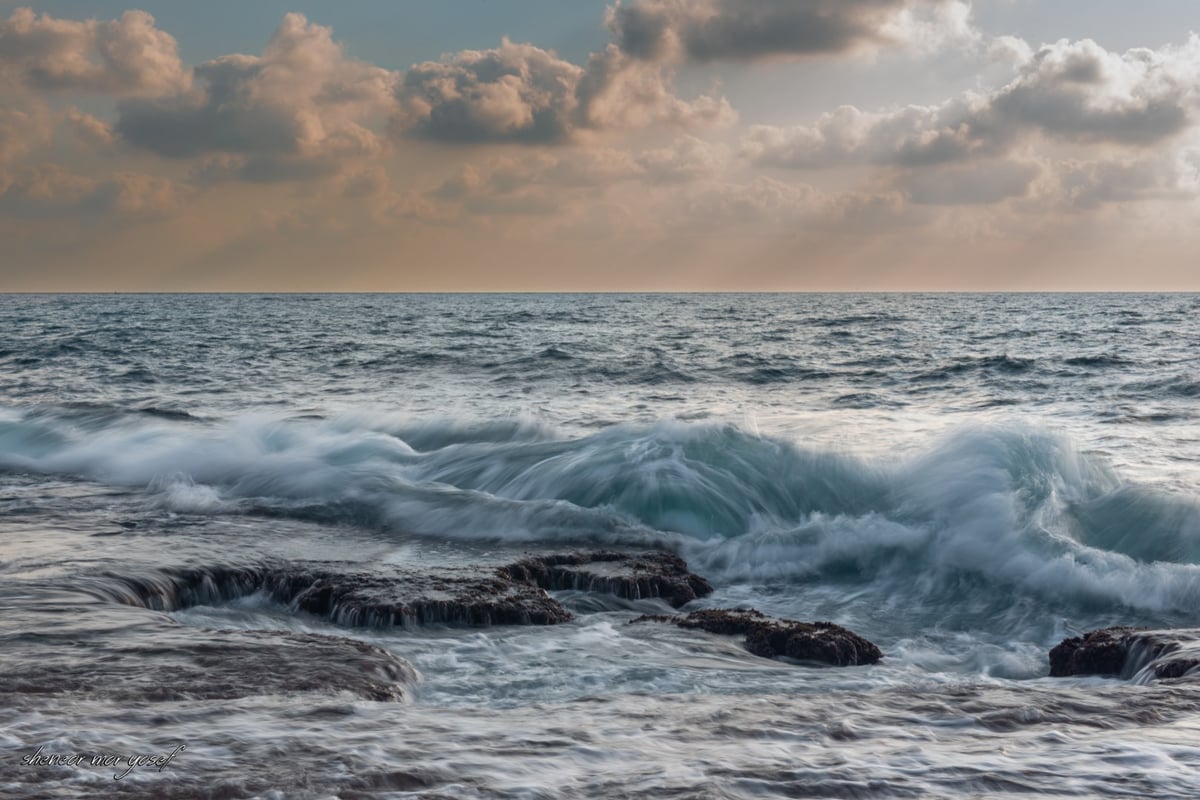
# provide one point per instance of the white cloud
(1073, 92)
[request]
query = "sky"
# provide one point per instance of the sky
(596, 145)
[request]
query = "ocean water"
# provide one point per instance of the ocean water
(964, 479)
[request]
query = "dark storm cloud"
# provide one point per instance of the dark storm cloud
(711, 30)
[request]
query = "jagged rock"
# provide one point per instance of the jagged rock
(633, 576)
(1128, 653)
(772, 638)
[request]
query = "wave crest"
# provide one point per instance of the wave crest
(989, 512)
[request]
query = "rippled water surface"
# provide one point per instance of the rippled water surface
(963, 479)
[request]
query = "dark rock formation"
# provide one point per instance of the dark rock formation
(354, 598)
(349, 595)
(447, 599)
(1128, 653)
(1100, 652)
(633, 576)
(772, 638)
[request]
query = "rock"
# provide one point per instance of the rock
(440, 599)
(154, 660)
(354, 596)
(772, 638)
(350, 597)
(1100, 652)
(1136, 653)
(633, 576)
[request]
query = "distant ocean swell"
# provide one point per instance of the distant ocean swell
(986, 519)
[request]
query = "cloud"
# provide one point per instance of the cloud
(125, 57)
(588, 168)
(1070, 92)
(43, 186)
(516, 92)
(52, 190)
(369, 182)
(712, 30)
(618, 91)
(1089, 185)
(541, 183)
(90, 131)
(302, 108)
(1009, 50)
(685, 159)
(23, 127)
(521, 93)
(1078, 91)
(911, 136)
(782, 208)
(544, 182)
(969, 184)
(138, 194)
(297, 111)
(762, 201)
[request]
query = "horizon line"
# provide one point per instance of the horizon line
(252, 292)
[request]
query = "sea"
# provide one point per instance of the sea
(964, 479)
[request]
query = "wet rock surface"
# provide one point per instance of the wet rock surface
(349, 596)
(769, 637)
(633, 576)
(514, 594)
(1100, 652)
(1132, 653)
(155, 660)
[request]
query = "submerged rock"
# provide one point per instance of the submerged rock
(770, 637)
(633, 576)
(1140, 654)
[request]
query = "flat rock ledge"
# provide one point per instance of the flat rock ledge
(770, 637)
(163, 662)
(514, 594)
(344, 595)
(633, 576)
(1131, 653)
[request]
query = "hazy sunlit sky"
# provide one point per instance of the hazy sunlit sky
(541, 145)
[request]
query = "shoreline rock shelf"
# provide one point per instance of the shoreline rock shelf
(513, 594)
(351, 598)
(152, 660)
(770, 637)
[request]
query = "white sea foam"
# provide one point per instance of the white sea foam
(994, 512)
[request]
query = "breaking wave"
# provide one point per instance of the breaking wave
(984, 516)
